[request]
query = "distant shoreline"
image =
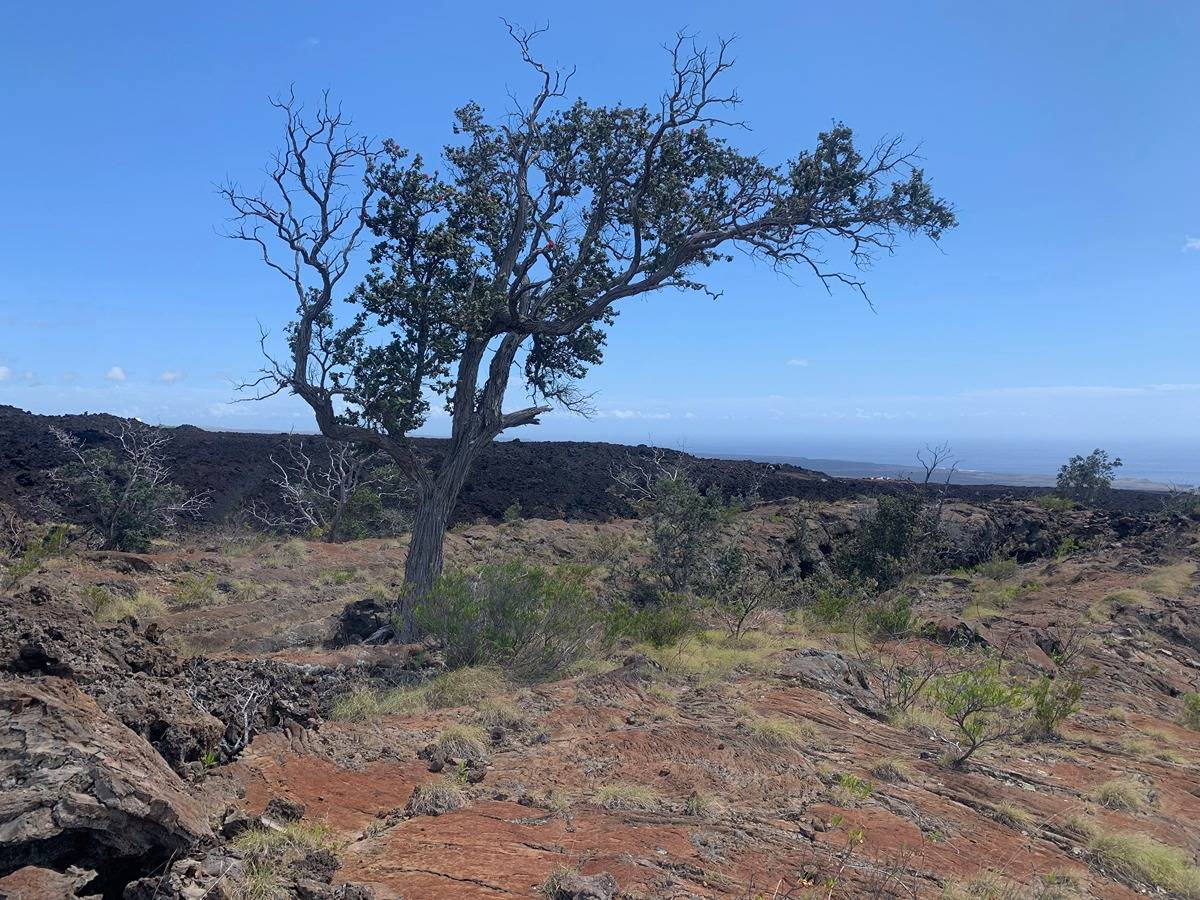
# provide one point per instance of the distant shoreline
(842, 468)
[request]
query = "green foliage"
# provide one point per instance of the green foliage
(857, 788)
(983, 705)
(1087, 479)
(890, 543)
(512, 512)
(52, 542)
(521, 617)
(663, 622)
(126, 488)
(110, 607)
(1067, 547)
(1055, 503)
(1191, 710)
(196, 590)
(889, 618)
(1052, 701)
(998, 568)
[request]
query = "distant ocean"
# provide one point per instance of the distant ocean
(1161, 462)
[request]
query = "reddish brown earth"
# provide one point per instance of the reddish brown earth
(777, 820)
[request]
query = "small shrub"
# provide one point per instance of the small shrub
(462, 742)
(52, 542)
(1052, 701)
(513, 512)
(435, 798)
(465, 687)
(660, 624)
(888, 544)
(529, 620)
(1056, 503)
(1191, 710)
(627, 796)
(1122, 794)
(983, 705)
(1068, 547)
(889, 618)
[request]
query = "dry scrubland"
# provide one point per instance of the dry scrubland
(809, 755)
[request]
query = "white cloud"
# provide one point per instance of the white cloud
(116, 373)
(798, 362)
(171, 376)
(1191, 244)
(311, 41)
(631, 414)
(5, 372)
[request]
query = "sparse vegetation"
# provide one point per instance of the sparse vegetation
(126, 488)
(462, 742)
(195, 590)
(1190, 717)
(779, 732)
(529, 620)
(627, 796)
(1122, 794)
(983, 705)
(1139, 857)
(435, 798)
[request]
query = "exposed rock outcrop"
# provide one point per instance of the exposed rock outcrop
(78, 788)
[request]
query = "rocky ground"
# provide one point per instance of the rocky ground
(217, 719)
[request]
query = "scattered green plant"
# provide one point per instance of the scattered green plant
(512, 512)
(529, 620)
(1122, 794)
(1052, 701)
(627, 796)
(1190, 717)
(983, 705)
(195, 590)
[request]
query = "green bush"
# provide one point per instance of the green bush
(888, 544)
(663, 622)
(1087, 478)
(523, 618)
(983, 705)
(1191, 710)
(513, 512)
(1052, 701)
(50, 543)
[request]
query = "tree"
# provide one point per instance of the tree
(128, 488)
(935, 457)
(1087, 478)
(512, 257)
(328, 491)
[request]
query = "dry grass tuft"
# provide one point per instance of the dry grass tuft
(627, 796)
(435, 798)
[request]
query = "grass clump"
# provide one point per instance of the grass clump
(338, 577)
(1123, 794)
(462, 742)
(1138, 857)
(702, 805)
(110, 607)
(1015, 817)
(627, 796)
(461, 687)
(998, 568)
(195, 590)
(892, 771)
(778, 732)
(495, 712)
(850, 790)
(1169, 580)
(294, 836)
(435, 798)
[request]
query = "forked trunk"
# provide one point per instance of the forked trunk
(435, 503)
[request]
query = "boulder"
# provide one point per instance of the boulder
(78, 788)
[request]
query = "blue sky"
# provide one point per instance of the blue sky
(1063, 308)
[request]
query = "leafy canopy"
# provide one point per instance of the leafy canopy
(512, 254)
